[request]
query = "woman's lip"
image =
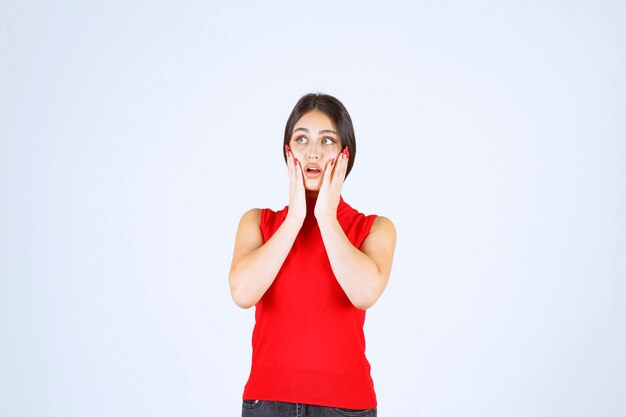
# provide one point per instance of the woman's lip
(312, 174)
(312, 170)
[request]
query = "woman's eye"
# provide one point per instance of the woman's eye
(328, 141)
(301, 140)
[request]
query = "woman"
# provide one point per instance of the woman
(312, 269)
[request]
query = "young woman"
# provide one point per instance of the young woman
(312, 269)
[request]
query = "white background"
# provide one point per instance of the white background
(133, 135)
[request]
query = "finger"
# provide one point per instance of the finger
(339, 177)
(291, 172)
(343, 155)
(297, 167)
(297, 173)
(290, 157)
(287, 155)
(292, 163)
(292, 166)
(344, 165)
(328, 172)
(339, 173)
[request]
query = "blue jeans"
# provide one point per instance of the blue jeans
(260, 408)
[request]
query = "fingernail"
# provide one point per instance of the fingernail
(295, 161)
(332, 161)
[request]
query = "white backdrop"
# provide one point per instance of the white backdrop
(133, 135)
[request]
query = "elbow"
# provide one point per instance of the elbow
(363, 305)
(244, 305)
(367, 298)
(241, 300)
(364, 302)
(239, 295)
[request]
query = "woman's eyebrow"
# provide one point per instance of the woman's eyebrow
(304, 129)
(328, 131)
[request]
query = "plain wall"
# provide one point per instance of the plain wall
(133, 136)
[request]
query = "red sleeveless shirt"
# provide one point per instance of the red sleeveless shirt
(308, 344)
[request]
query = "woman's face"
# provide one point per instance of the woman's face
(314, 142)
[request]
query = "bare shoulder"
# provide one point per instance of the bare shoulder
(380, 244)
(382, 237)
(252, 216)
(383, 227)
(249, 235)
(249, 230)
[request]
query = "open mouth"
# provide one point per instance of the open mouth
(312, 171)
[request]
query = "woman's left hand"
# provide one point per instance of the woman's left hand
(330, 190)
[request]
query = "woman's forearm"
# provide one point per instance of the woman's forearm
(252, 274)
(357, 273)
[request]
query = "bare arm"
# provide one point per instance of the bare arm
(255, 265)
(363, 274)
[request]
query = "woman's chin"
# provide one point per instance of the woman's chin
(312, 184)
(312, 188)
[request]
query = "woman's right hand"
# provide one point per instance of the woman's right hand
(297, 196)
(256, 263)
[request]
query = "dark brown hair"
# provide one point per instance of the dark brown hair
(335, 110)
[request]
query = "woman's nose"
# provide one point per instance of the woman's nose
(313, 152)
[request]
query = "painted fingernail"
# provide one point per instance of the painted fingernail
(332, 161)
(295, 161)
